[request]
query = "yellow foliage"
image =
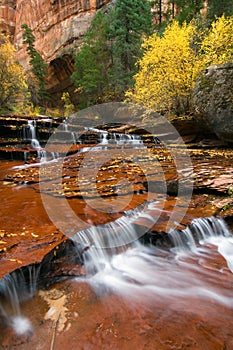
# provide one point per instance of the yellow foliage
(168, 68)
(13, 84)
(171, 64)
(31, 110)
(54, 113)
(217, 46)
(68, 105)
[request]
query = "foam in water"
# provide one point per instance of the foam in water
(118, 138)
(32, 127)
(183, 272)
(146, 272)
(21, 325)
(189, 270)
(225, 248)
(14, 288)
(41, 153)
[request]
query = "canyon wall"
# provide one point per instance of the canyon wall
(7, 16)
(58, 26)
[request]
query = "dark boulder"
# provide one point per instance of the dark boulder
(212, 100)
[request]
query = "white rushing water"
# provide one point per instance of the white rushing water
(15, 288)
(189, 269)
(41, 153)
(105, 139)
(198, 263)
(118, 138)
(21, 325)
(194, 265)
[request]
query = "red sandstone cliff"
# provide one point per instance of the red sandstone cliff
(57, 25)
(7, 16)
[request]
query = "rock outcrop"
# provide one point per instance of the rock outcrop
(7, 16)
(58, 26)
(213, 100)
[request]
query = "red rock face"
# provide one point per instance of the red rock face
(57, 25)
(7, 16)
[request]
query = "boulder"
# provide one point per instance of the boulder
(212, 100)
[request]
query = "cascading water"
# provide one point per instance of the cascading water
(185, 271)
(32, 128)
(41, 153)
(104, 138)
(134, 271)
(14, 288)
(118, 138)
(121, 139)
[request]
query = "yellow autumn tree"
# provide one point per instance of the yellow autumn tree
(217, 46)
(68, 105)
(167, 70)
(171, 64)
(13, 87)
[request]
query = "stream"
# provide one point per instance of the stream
(114, 251)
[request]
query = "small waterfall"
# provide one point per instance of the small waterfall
(54, 155)
(104, 240)
(41, 153)
(117, 262)
(183, 271)
(27, 279)
(106, 137)
(32, 127)
(201, 231)
(206, 228)
(183, 240)
(122, 233)
(25, 156)
(120, 139)
(24, 133)
(65, 125)
(73, 137)
(16, 287)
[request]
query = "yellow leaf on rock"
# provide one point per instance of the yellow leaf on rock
(34, 235)
(16, 260)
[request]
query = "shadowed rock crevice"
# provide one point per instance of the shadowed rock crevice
(60, 70)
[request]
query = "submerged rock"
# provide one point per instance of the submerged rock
(212, 100)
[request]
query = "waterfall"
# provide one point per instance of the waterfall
(201, 231)
(41, 153)
(16, 287)
(104, 240)
(106, 137)
(205, 231)
(32, 128)
(65, 125)
(120, 139)
(73, 137)
(123, 233)
(184, 271)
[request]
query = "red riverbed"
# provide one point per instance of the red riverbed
(70, 315)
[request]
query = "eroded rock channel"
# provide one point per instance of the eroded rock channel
(92, 232)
